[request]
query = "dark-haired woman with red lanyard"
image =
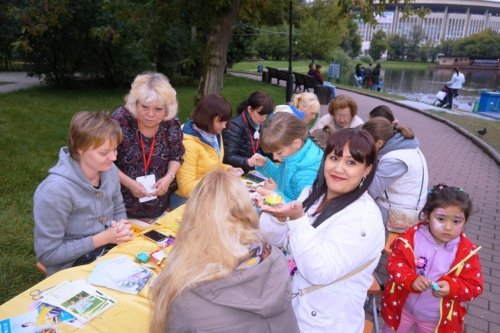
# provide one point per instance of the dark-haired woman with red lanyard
(241, 139)
(151, 151)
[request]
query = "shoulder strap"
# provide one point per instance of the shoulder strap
(307, 290)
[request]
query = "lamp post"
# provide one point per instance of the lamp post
(289, 81)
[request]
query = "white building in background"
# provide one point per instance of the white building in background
(448, 19)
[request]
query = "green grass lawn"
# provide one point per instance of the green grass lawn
(33, 126)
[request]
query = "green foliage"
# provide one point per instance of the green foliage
(485, 44)
(339, 56)
(396, 47)
(351, 43)
(366, 59)
(378, 45)
(272, 42)
(320, 30)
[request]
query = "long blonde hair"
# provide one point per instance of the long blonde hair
(217, 228)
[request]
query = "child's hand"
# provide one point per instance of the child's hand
(238, 172)
(257, 160)
(421, 283)
(270, 184)
(444, 289)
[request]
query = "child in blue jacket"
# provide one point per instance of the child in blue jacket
(286, 137)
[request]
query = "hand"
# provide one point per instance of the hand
(119, 232)
(421, 283)
(444, 289)
(257, 160)
(138, 190)
(293, 210)
(262, 191)
(270, 184)
(238, 172)
(162, 185)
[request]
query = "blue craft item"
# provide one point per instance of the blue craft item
(142, 257)
(434, 286)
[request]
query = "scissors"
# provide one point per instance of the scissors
(37, 294)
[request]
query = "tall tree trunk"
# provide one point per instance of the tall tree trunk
(212, 78)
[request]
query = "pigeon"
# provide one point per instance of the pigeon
(482, 132)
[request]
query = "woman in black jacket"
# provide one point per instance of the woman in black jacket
(241, 139)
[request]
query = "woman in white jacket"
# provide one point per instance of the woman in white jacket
(456, 83)
(335, 234)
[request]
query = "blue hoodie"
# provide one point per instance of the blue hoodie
(296, 172)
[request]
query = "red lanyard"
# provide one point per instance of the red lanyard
(255, 144)
(150, 155)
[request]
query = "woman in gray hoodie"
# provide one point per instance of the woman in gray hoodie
(78, 209)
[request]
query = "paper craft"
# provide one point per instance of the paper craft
(25, 323)
(120, 273)
(148, 182)
(79, 299)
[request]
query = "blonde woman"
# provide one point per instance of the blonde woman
(220, 276)
(152, 150)
(342, 113)
(308, 104)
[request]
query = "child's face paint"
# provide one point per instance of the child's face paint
(446, 223)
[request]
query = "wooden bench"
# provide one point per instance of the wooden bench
(277, 74)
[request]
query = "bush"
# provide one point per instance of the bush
(339, 56)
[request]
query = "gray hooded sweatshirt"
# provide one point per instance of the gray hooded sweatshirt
(252, 300)
(68, 211)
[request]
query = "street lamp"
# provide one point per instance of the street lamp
(289, 81)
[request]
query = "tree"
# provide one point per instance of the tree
(484, 44)
(320, 29)
(416, 37)
(351, 43)
(378, 45)
(396, 46)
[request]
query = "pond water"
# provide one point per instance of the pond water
(422, 84)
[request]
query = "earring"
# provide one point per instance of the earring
(362, 181)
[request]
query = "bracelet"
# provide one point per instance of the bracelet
(171, 175)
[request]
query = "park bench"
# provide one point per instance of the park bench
(276, 74)
(309, 82)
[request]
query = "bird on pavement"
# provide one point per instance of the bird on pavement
(482, 132)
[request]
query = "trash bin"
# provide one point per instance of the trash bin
(475, 107)
(489, 102)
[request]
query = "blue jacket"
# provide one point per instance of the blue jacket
(296, 171)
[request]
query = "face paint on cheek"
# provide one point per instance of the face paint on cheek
(436, 224)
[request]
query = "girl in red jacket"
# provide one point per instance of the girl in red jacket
(433, 267)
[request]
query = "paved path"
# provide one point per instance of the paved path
(12, 81)
(455, 159)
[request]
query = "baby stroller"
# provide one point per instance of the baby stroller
(441, 99)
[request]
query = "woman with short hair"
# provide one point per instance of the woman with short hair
(78, 209)
(342, 113)
(203, 142)
(152, 151)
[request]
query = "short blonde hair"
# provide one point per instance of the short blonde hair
(342, 102)
(281, 131)
(152, 88)
(216, 232)
(89, 130)
(306, 100)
